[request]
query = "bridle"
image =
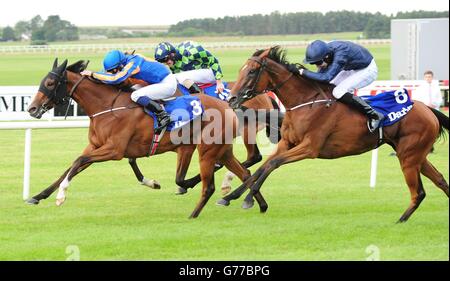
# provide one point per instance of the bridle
(59, 94)
(249, 93)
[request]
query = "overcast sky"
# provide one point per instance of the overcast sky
(165, 12)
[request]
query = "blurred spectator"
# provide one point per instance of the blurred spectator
(429, 92)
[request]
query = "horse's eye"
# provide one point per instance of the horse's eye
(252, 71)
(50, 84)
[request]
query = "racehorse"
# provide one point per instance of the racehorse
(316, 126)
(127, 131)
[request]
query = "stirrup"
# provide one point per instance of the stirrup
(163, 122)
(369, 125)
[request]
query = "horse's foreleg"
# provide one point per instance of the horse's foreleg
(234, 166)
(435, 176)
(302, 151)
(253, 156)
(52, 188)
(140, 177)
(109, 151)
(282, 146)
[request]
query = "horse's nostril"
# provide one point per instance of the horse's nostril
(32, 110)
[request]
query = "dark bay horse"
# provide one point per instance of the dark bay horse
(128, 132)
(316, 126)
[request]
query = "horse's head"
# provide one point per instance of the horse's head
(52, 90)
(260, 74)
(252, 80)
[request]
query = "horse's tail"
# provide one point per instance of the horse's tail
(443, 122)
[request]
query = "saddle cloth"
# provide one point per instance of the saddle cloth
(182, 111)
(394, 105)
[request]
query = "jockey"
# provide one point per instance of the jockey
(348, 66)
(191, 64)
(162, 84)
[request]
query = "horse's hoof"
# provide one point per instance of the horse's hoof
(60, 201)
(247, 205)
(181, 191)
(153, 184)
(263, 209)
(223, 202)
(32, 201)
(226, 190)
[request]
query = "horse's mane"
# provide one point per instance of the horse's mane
(78, 66)
(277, 54)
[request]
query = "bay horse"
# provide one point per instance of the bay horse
(126, 131)
(316, 126)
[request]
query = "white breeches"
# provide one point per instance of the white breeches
(203, 76)
(163, 90)
(349, 80)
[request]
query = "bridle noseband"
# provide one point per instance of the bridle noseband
(263, 63)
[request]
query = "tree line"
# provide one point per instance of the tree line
(40, 30)
(373, 25)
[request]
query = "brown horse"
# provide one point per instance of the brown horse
(126, 131)
(319, 127)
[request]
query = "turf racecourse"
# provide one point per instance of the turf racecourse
(318, 209)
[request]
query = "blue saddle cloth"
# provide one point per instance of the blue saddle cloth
(182, 111)
(394, 105)
(210, 91)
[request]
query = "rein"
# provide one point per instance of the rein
(277, 87)
(75, 86)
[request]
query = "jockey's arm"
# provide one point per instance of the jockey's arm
(325, 75)
(130, 69)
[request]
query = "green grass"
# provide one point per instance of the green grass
(29, 69)
(318, 210)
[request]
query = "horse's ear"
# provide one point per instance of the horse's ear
(55, 64)
(265, 53)
(63, 65)
(84, 65)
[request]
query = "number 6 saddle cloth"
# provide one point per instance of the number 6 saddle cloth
(394, 105)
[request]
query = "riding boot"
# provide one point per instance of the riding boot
(356, 102)
(162, 116)
(195, 89)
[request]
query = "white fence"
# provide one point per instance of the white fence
(28, 126)
(78, 48)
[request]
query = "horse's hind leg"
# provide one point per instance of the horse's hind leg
(184, 156)
(414, 182)
(140, 177)
(207, 174)
(435, 176)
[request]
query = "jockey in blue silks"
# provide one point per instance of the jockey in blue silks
(346, 65)
(161, 83)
